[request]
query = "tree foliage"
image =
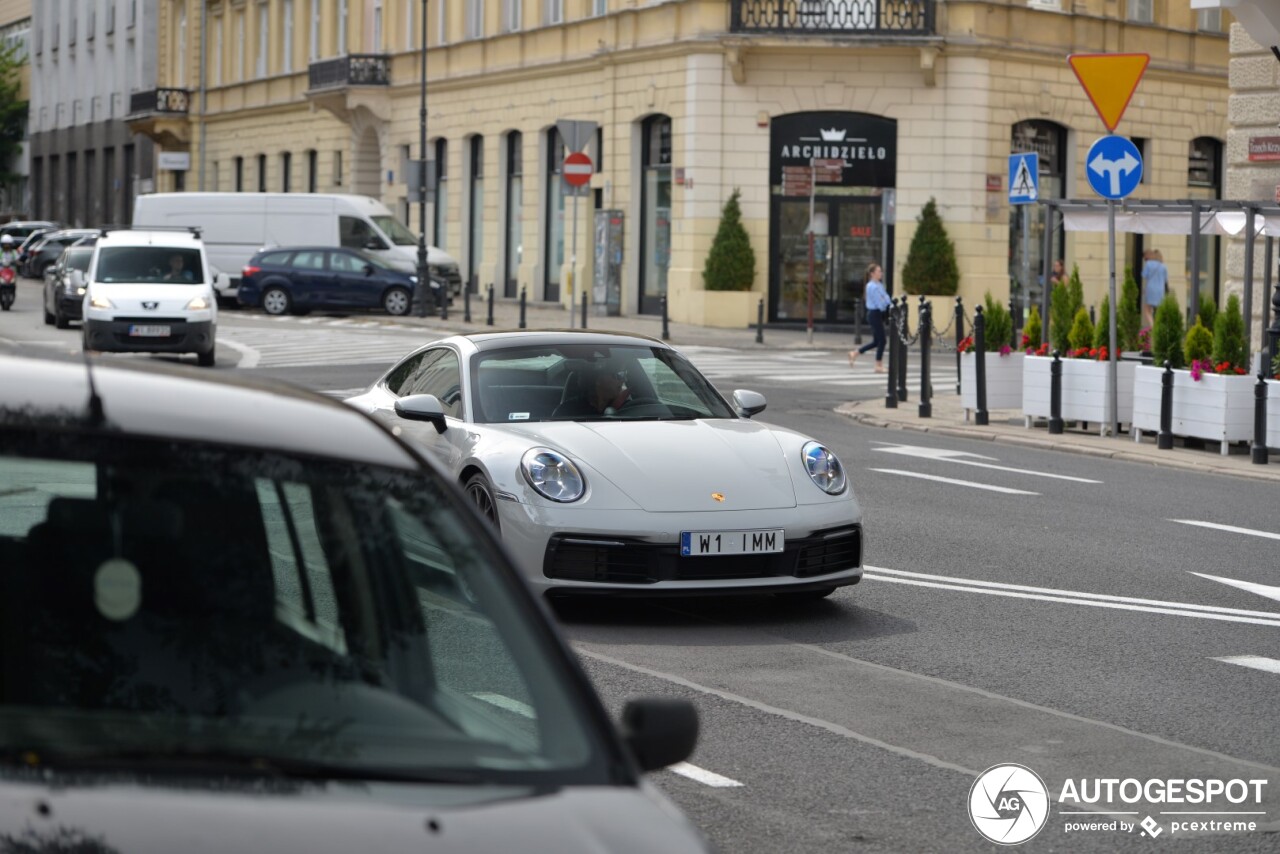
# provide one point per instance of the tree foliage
(1033, 329)
(1166, 337)
(1208, 311)
(998, 327)
(1064, 302)
(13, 110)
(1129, 314)
(1228, 335)
(1081, 336)
(1102, 332)
(931, 261)
(731, 263)
(1198, 345)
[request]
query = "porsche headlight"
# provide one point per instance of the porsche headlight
(824, 468)
(553, 475)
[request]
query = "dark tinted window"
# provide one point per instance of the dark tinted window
(441, 376)
(78, 259)
(353, 232)
(178, 265)
(399, 381)
(277, 259)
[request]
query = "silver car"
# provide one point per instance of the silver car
(610, 465)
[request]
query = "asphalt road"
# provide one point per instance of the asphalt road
(1064, 613)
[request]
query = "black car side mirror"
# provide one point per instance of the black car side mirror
(368, 269)
(422, 407)
(660, 731)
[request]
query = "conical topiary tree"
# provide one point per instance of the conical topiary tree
(997, 328)
(1129, 314)
(1034, 329)
(1228, 335)
(931, 261)
(1198, 345)
(1102, 332)
(731, 264)
(1081, 337)
(1166, 337)
(1208, 311)
(1064, 302)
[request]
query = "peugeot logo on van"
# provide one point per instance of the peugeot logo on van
(151, 305)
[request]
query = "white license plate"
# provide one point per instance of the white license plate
(705, 543)
(149, 331)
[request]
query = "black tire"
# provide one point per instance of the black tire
(60, 320)
(48, 318)
(806, 595)
(276, 301)
(481, 495)
(396, 301)
(206, 360)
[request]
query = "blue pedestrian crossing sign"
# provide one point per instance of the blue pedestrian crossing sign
(1114, 167)
(1024, 178)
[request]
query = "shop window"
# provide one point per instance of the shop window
(475, 229)
(553, 256)
(513, 216)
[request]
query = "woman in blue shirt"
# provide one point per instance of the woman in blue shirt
(876, 299)
(1155, 276)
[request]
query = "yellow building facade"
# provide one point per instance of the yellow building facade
(693, 99)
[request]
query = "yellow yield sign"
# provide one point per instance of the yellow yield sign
(1109, 80)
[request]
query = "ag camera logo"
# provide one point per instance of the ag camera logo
(1008, 804)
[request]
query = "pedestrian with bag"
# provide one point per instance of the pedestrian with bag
(876, 299)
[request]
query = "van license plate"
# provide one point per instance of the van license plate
(706, 543)
(149, 331)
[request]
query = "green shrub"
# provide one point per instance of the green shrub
(1064, 302)
(999, 324)
(1102, 332)
(1166, 337)
(731, 264)
(1228, 335)
(1208, 311)
(1081, 331)
(1129, 315)
(1033, 328)
(1198, 345)
(931, 261)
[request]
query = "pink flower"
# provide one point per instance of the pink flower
(1005, 349)
(1196, 370)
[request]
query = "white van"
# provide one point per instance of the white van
(150, 292)
(235, 226)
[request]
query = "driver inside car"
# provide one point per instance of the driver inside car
(609, 392)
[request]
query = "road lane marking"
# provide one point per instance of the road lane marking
(1257, 662)
(249, 356)
(990, 488)
(703, 776)
(1095, 600)
(945, 456)
(1248, 586)
(1230, 528)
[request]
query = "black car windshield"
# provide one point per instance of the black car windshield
(160, 264)
(260, 611)
(392, 227)
(577, 382)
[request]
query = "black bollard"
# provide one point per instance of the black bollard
(584, 309)
(926, 333)
(1015, 320)
(489, 320)
(523, 301)
(959, 321)
(666, 332)
(760, 322)
(1164, 441)
(980, 415)
(890, 319)
(857, 322)
(902, 350)
(466, 305)
(1259, 450)
(1055, 395)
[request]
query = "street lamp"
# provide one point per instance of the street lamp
(420, 292)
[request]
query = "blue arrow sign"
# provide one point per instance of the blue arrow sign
(1114, 167)
(1024, 178)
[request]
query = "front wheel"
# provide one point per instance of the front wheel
(276, 301)
(480, 492)
(60, 320)
(206, 360)
(396, 302)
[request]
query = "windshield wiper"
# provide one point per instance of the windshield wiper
(234, 763)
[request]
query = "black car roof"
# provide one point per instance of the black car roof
(158, 400)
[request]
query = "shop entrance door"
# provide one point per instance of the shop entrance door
(854, 239)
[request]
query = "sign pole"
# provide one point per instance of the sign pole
(1112, 405)
(1026, 263)
(811, 209)
(573, 256)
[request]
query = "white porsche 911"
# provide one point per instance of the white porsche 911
(611, 465)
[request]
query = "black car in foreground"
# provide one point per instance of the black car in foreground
(246, 617)
(63, 289)
(303, 278)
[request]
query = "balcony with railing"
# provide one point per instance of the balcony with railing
(357, 69)
(833, 17)
(161, 114)
(168, 101)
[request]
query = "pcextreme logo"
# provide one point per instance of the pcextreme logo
(1008, 804)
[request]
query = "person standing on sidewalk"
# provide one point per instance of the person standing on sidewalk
(1155, 277)
(876, 299)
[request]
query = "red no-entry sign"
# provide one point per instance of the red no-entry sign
(577, 169)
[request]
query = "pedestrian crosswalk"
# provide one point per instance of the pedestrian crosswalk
(813, 367)
(293, 346)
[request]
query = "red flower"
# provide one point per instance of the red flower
(965, 345)
(1240, 371)
(1043, 349)
(1026, 340)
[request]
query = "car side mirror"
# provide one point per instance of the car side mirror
(422, 407)
(660, 731)
(748, 403)
(368, 269)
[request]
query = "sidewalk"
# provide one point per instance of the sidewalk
(1007, 428)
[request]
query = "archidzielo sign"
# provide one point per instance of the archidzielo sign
(867, 144)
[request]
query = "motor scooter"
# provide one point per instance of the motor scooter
(8, 287)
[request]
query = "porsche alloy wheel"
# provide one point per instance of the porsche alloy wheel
(481, 495)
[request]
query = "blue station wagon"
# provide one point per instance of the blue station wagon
(303, 278)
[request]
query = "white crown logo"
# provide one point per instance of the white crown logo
(832, 135)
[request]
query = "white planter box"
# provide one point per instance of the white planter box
(1084, 389)
(1004, 381)
(1217, 408)
(1273, 414)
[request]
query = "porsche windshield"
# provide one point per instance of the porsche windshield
(163, 603)
(590, 383)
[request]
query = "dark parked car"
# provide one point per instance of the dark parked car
(30, 242)
(45, 254)
(63, 290)
(302, 278)
(249, 615)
